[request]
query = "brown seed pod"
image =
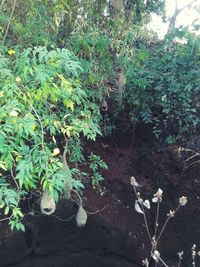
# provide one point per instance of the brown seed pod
(47, 204)
(81, 217)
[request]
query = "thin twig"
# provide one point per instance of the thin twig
(7, 218)
(63, 220)
(66, 167)
(197, 154)
(157, 217)
(146, 224)
(144, 215)
(40, 122)
(97, 211)
(79, 197)
(162, 262)
(9, 22)
(197, 161)
(11, 171)
(166, 222)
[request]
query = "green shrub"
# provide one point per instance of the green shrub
(164, 89)
(41, 100)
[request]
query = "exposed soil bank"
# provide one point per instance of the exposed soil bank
(115, 236)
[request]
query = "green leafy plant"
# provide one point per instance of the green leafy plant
(171, 139)
(96, 164)
(163, 89)
(41, 99)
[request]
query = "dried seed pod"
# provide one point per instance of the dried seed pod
(81, 217)
(47, 204)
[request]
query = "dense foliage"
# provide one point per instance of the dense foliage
(162, 77)
(41, 100)
(164, 89)
(60, 61)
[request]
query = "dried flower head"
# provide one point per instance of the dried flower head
(180, 255)
(145, 262)
(171, 214)
(137, 207)
(157, 196)
(146, 203)
(134, 182)
(194, 246)
(155, 255)
(183, 201)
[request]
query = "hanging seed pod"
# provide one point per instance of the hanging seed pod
(47, 204)
(81, 217)
(67, 192)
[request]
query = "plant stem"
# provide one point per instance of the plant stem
(163, 263)
(165, 224)
(9, 22)
(146, 225)
(144, 215)
(7, 218)
(157, 217)
(11, 171)
(40, 122)
(193, 255)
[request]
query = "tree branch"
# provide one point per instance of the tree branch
(177, 11)
(9, 22)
